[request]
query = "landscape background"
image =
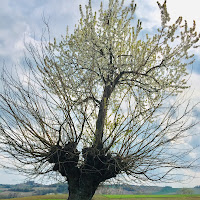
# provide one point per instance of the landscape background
(30, 188)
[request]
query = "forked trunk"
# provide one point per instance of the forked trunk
(83, 180)
(82, 188)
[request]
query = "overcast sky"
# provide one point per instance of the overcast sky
(22, 20)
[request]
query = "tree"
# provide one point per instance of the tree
(186, 191)
(62, 188)
(98, 104)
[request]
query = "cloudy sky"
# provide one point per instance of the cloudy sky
(22, 20)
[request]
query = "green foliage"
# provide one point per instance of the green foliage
(21, 188)
(186, 191)
(108, 51)
(167, 190)
(62, 188)
(43, 192)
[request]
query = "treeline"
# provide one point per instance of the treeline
(30, 188)
(40, 189)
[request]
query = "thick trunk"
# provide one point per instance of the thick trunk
(82, 188)
(84, 179)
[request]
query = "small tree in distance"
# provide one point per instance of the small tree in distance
(186, 191)
(96, 105)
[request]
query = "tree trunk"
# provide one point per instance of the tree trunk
(83, 180)
(82, 188)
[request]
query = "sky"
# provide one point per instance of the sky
(22, 20)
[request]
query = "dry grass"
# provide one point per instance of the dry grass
(60, 196)
(55, 197)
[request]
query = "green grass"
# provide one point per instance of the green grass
(149, 196)
(107, 197)
(52, 199)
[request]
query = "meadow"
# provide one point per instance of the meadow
(115, 197)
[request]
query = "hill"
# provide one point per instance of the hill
(31, 188)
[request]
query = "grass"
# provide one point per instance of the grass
(115, 197)
(149, 196)
(42, 197)
(54, 197)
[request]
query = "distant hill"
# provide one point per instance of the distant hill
(31, 188)
(148, 190)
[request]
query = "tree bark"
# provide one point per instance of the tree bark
(84, 179)
(101, 117)
(82, 188)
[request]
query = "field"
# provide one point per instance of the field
(115, 197)
(153, 197)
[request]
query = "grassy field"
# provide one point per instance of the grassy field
(155, 197)
(149, 196)
(115, 197)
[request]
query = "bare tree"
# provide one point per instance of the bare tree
(98, 104)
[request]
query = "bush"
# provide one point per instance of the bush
(62, 188)
(21, 189)
(43, 192)
(8, 195)
(186, 191)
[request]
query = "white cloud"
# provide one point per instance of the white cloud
(189, 10)
(195, 86)
(8, 177)
(149, 11)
